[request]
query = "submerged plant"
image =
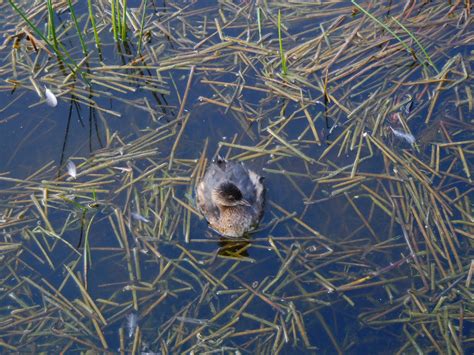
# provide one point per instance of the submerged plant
(284, 68)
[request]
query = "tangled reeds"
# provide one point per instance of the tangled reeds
(358, 113)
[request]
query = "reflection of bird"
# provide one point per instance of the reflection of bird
(234, 248)
(231, 198)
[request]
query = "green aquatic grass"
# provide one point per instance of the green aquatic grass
(119, 19)
(142, 24)
(94, 27)
(124, 21)
(87, 255)
(118, 22)
(73, 67)
(51, 25)
(388, 29)
(51, 39)
(284, 68)
(76, 24)
(115, 29)
(259, 23)
(412, 36)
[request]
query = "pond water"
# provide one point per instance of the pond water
(358, 114)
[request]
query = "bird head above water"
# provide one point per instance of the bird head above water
(228, 194)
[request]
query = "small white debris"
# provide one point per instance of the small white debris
(71, 169)
(139, 217)
(132, 320)
(122, 170)
(51, 99)
(402, 135)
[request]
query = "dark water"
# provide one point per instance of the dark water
(33, 134)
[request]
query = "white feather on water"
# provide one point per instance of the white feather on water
(139, 217)
(408, 137)
(132, 320)
(51, 99)
(71, 169)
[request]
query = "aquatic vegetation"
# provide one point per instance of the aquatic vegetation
(284, 68)
(366, 241)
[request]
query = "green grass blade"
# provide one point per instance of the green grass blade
(428, 58)
(284, 68)
(94, 28)
(51, 29)
(118, 22)
(142, 24)
(114, 20)
(76, 24)
(124, 21)
(259, 23)
(87, 257)
(388, 29)
(51, 25)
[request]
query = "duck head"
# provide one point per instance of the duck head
(228, 194)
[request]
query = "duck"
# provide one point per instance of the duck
(231, 197)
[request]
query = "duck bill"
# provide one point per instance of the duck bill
(244, 202)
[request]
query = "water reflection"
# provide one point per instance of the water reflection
(234, 249)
